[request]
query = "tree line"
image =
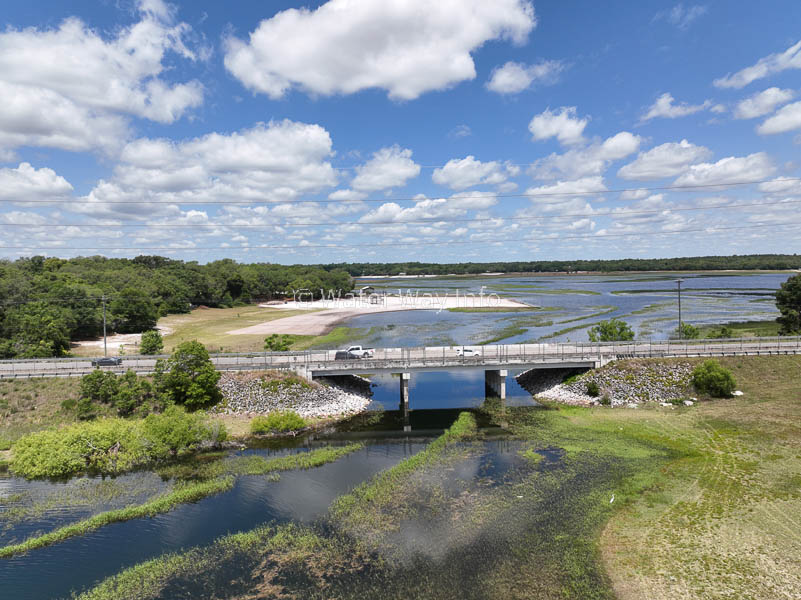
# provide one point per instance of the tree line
(773, 262)
(45, 303)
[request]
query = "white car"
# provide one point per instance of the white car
(464, 351)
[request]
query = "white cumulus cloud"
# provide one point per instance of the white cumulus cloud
(81, 85)
(459, 174)
(273, 162)
(665, 107)
(665, 160)
(733, 169)
(786, 119)
(514, 77)
(27, 183)
(589, 160)
(762, 103)
(390, 167)
(564, 126)
(769, 65)
(407, 47)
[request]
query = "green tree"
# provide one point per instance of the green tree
(788, 301)
(133, 311)
(189, 376)
(613, 330)
(152, 342)
(277, 343)
(685, 331)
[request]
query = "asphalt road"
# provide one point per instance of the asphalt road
(430, 357)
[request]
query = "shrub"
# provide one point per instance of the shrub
(176, 431)
(606, 399)
(152, 342)
(280, 421)
(111, 445)
(593, 389)
(711, 378)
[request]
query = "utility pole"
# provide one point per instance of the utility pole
(678, 282)
(105, 347)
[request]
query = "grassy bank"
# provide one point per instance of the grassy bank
(28, 405)
(723, 522)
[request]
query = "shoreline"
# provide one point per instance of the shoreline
(323, 318)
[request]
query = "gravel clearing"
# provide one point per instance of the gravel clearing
(251, 394)
(629, 383)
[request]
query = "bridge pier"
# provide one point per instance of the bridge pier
(495, 382)
(404, 399)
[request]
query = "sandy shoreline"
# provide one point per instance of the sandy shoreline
(324, 315)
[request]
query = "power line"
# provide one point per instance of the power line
(689, 188)
(399, 243)
(613, 213)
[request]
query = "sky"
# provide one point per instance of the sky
(400, 130)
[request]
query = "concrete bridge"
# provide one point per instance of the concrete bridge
(494, 359)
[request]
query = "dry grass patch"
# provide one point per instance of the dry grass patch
(210, 326)
(28, 405)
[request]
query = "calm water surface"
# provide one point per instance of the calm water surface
(299, 496)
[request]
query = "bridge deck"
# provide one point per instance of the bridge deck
(397, 360)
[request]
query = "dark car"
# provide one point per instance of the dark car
(107, 361)
(345, 355)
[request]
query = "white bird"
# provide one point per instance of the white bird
(613, 499)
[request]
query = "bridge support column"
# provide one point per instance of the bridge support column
(495, 382)
(404, 399)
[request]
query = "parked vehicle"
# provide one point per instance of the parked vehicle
(107, 361)
(464, 351)
(359, 352)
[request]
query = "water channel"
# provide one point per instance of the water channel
(298, 496)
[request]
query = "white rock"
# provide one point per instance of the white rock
(688, 403)
(665, 404)
(632, 405)
(737, 393)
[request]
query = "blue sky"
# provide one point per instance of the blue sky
(394, 130)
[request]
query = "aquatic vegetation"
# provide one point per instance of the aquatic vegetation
(383, 487)
(606, 310)
(186, 493)
(219, 480)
